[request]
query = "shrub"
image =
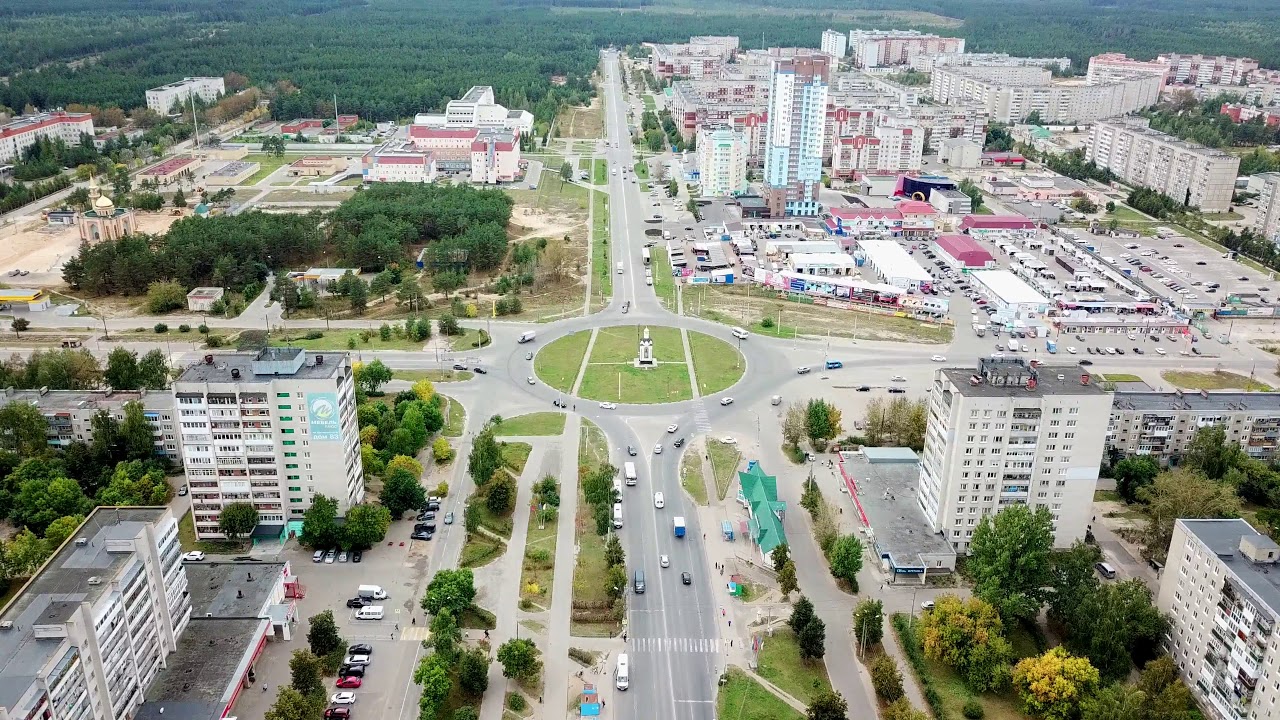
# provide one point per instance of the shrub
(973, 709)
(766, 322)
(184, 328)
(585, 657)
(915, 655)
(885, 677)
(161, 328)
(516, 702)
(441, 490)
(203, 329)
(313, 335)
(213, 341)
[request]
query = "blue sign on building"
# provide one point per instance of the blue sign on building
(322, 414)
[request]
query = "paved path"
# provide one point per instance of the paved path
(556, 664)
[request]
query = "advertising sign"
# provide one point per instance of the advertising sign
(322, 414)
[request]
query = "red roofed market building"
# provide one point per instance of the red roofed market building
(962, 251)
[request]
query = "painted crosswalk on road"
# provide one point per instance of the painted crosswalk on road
(681, 645)
(701, 419)
(415, 633)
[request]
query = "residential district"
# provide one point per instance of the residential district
(902, 389)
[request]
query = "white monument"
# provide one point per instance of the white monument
(645, 359)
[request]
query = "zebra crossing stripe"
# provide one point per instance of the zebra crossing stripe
(676, 645)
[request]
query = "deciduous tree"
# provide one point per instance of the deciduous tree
(868, 622)
(473, 672)
(1009, 560)
(828, 705)
(1182, 493)
(1053, 685)
(237, 519)
(320, 528)
(451, 589)
(305, 674)
(432, 675)
(1134, 473)
(812, 639)
(886, 678)
(846, 559)
(519, 658)
(500, 494)
(968, 636)
(401, 492)
(322, 634)
(445, 634)
(366, 525)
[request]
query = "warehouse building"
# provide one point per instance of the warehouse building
(962, 251)
(893, 265)
(1009, 293)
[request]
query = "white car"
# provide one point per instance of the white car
(1160, 351)
(1110, 350)
(729, 440)
(608, 406)
(193, 556)
(1072, 350)
(529, 379)
(356, 660)
(898, 378)
(672, 427)
(659, 501)
(726, 401)
(657, 449)
(343, 698)
(664, 561)
(938, 358)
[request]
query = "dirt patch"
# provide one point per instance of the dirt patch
(41, 249)
(583, 122)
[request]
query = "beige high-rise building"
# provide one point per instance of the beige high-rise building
(1267, 222)
(722, 161)
(835, 43)
(1010, 94)
(1200, 176)
(1162, 424)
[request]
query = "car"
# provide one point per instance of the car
(631, 450)
(1201, 262)
(528, 355)
(1119, 351)
(686, 578)
(420, 535)
(351, 671)
(357, 556)
(559, 403)
(360, 649)
(897, 390)
(898, 378)
(864, 388)
(317, 556)
(426, 515)
(1110, 350)
(330, 556)
(1243, 278)
(729, 440)
(939, 358)
(529, 380)
(1085, 362)
(193, 556)
(448, 518)
(428, 527)
(803, 370)
(926, 605)
(433, 503)
(1160, 351)
(459, 366)
(349, 682)
(1138, 351)
(342, 556)
(358, 602)
(608, 406)
(479, 370)
(337, 713)
(672, 427)
(726, 401)
(1195, 351)
(657, 449)
(659, 501)
(1071, 350)
(182, 491)
(1155, 338)
(343, 698)
(678, 443)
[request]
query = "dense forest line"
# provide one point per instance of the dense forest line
(388, 59)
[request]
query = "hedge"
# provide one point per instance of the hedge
(915, 655)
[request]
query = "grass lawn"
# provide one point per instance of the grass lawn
(691, 477)
(984, 210)
(649, 103)
(553, 194)
(781, 665)
(742, 698)
(434, 376)
(267, 164)
(716, 363)
(479, 550)
(627, 384)
(593, 446)
(590, 617)
(557, 364)
(188, 542)
(533, 424)
(954, 693)
(1230, 216)
(619, 344)
(664, 286)
(600, 171)
(515, 455)
(1120, 377)
(601, 267)
(1106, 496)
(343, 340)
(724, 463)
(642, 170)
(1216, 380)
(351, 182)
(470, 339)
(539, 561)
(1124, 214)
(584, 164)
(455, 418)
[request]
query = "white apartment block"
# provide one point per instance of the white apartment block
(722, 161)
(477, 109)
(1109, 66)
(835, 43)
(274, 428)
(1267, 221)
(1207, 69)
(88, 634)
(1010, 94)
(1007, 434)
(21, 133)
(208, 89)
(1162, 424)
(881, 48)
(1199, 176)
(926, 63)
(1220, 589)
(886, 151)
(941, 122)
(701, 58)
(70, 414)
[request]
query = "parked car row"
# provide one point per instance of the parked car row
(350, 676)
(336, 555)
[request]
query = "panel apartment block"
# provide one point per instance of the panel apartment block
(1161, 424)
(1267, 222)
(1005, 434)
(70, 414)
(1010, 94)
(273, 428)
(835, 43)
(1197, 175)
(163, 98)
(880, 48)
(21, 133)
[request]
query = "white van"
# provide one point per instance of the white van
(622, 674)
(527, 336)
(617, 515)
(369, 612)
(617, 486)
(372, 592)
(740, 333)
(619, 268)
(629, 472)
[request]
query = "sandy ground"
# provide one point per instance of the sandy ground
(530, 222)
(41, 250)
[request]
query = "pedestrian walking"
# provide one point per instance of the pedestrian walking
(413, 620)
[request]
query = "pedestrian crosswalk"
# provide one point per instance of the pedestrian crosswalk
(414, 633)
(674, 645)
(701, 419)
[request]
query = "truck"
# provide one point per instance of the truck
(1051, 346)
(527, 336)
(679, 526)
(629, 472)
(1013, 345)
(980, 330)
(371, 592)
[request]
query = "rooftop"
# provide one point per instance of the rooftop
(1009, 288)
(232, 169)
(1223, 539)
(1203, 401)
(1011, 377)
(886, 480)
(68, 400)
(168, 167)
(231, 589)
(891, 260)
(194, 683)
(313, 366)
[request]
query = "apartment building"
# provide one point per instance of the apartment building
(695, 103)
(22, 132)
(927, 63)
(1010, 94)
(1220, 589)
(163, 98)
(881, 48)
(722, 161)
(941, 122)
(1004, 434)
(793, 151)
(1187, 69)
(85, 637)
(1197, 175)
(70, 414)
(887, 150)
(835, 43)
(1109, 66)
(275, 428)
(844, 122)
(476, 109)
(1267, 222)
(487, 155)
(1161, 424)
(699, 59)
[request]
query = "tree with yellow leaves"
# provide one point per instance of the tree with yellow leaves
(424, 390)
(1053, 685)
(969, 636)
(404, 462)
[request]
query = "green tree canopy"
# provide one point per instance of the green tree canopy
(1009, 560)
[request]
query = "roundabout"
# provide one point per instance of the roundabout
(617, 364)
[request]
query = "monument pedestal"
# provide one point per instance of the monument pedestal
(645, 359)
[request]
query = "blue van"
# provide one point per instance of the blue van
(834, 364)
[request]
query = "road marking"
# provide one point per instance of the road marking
(415, 633)
(700, 417)
(675, 645)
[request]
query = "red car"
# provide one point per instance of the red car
(349, 682)
(338, 713)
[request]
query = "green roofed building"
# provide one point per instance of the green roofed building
(758, 492)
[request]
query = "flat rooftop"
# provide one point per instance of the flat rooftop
(231, 589)
(69, 400)
(219, 371)
(59, 588)
(1223, 539)
(1007, 377)
(887, 479)
(1203, 401)
(193, 685)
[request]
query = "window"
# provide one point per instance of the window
(287, 431)
(291, 454)
(295, 488)
(282, 395)
(1057, 411)
(291, 466)
(286, 418)
(1054, 423)
(289, 442)
(1071, 423)
(1074, 411)
(283, 407)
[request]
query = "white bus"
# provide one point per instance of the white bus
(629, 472)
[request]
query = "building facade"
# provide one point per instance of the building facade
(835, 43)
(1220, 589)
(1161, 424)
(163, 98)
(1267, 222)
(1006, 434)
(1108, 66)
(1187, 69)
(399, 161)
(70, 414)
(722, 161)
(1197, 175)
(881, 48)
(700, 59)
(477, 109)
(793, 152)
(21, 133)
(273, 428)
(1011, 94)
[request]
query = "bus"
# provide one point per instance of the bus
(644, 255)
(629, 472)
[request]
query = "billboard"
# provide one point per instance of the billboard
(322, 414)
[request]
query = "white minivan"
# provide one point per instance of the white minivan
(369, 612)
(619, 268)
(740, 333)
(617, 515)
(622, 676)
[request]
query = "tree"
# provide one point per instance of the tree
(886, 678)
(322, 634)
(828, 705)
(24, 429)
(1211, 454)
(1009, 561)
(615, 580)
(1114, 624)
(305, 673)
(381, 284)
(473, 673)
(372, 376)
(822, 421)
(613, 553)
(454, 590)
(566, 171)
(43, 499)
(122, 369)
(780, 555)
(1166, 697)
(968, 187)
(1134, 473)
(501, 493)
(1117, 702)
(868, 622)
(19, 324)
(441, 450)
(812, 639)
(401, 492)
(801, 614)
(153, 370)
(902, 709)
(846, 559)
(448, 324)
(179, 199)
(794, 424)
(1111, 206)
(787, 580)
(366, 525)
(320, 528)
(1053, 685)
(137, 438)
(519, 658)
(432, 674)
(25, 553)
(61, 529)
(1074, 580)
(445, 634)
(1182, 493)
(406, 463)
(237, 519)
(292, 705)
(424, 390)
(485, 457)
(968, 636)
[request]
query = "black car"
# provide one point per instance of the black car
(357, 556)
(1138, 351)
(351, 671)
(426, 527)
(459, 366)
(1086, 362)
(479, 370)
(433, 505)
(864, 388)
(897, 390)
(427, 515)
(679, 443)
(686, 578)
(1119, 351)
(358, 602)
(631, 450)
(420, 535)
(360, 649)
